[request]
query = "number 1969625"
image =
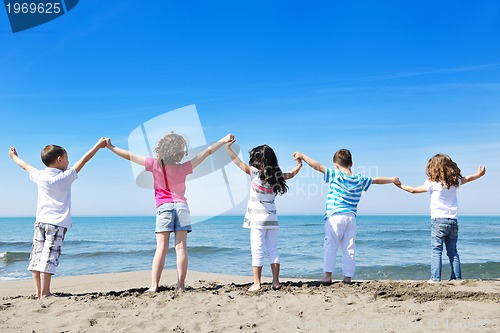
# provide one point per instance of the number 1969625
(33, 8)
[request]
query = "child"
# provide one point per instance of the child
(341, 209)
(53, 215)
(444, 178)
(267, 181)
(172, 211)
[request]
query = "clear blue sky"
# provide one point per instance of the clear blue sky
(393, 81)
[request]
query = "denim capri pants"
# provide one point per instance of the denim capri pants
(173, 216)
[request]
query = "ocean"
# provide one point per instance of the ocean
(388, 247)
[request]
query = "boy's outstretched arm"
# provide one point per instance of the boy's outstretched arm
(88, 155)
(138, 159)
(481, 170)
(236, 160)
(312, 163)
(294, 171)
(19, 161)
(210, 150)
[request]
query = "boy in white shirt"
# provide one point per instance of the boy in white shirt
(53, 215)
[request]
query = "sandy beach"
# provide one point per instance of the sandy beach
(221, 303)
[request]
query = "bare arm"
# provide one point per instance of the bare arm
(210, 150)
(386, 180)
(411, 189)
(481, 170)
(19, 161)
(138, 159)
(88, 155)
(236, 160)
(312, 163)
(292, 173)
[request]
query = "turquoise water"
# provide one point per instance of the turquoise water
(388, 247)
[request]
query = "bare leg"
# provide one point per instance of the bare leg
(327, 278)
(45, 279)
(38, 283)
(182, 257)
(275, 268)
(162, 240)
(257, 272)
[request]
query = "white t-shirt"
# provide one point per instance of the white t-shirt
(54, 195)
(444, 203)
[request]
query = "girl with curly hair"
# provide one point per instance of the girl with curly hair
(267, 181)
(444, 178)
(172, 210)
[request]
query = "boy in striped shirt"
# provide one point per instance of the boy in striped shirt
(341, 209)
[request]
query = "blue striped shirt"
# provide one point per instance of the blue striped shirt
(345, 191)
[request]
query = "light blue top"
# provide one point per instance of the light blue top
(345, 191)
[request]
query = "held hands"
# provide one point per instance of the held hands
(298, 158)
(228, 139)
(396, 181)
(108, 143)
(102, 142)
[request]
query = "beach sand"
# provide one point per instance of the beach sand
(221, 303)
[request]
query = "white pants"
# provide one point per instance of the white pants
(340, 230)
(259, 237)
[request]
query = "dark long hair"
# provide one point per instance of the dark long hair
(264, 159)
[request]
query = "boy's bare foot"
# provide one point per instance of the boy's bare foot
(254, 287)
(151, 291)
(325, 280)
(347, 280)
(276, 286)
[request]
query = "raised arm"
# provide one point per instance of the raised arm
(138, 159)
(236, 160)
(18, 160)
(88, 155)
(292, 173)
(481, 170)
(210, 150)
(386, 180)
(312, 163)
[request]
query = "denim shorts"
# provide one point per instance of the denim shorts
(173, 216)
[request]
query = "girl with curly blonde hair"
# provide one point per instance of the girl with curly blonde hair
(444, 178)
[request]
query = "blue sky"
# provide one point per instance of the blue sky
(393, 81)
